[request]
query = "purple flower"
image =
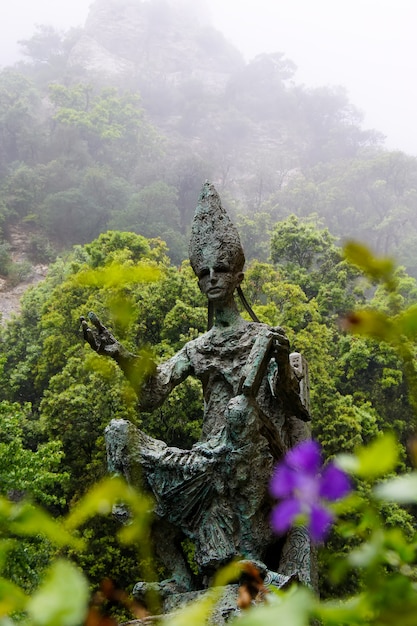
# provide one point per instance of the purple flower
(304, 487)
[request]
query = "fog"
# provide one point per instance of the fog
(368, 46)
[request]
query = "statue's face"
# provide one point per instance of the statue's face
(218, 282)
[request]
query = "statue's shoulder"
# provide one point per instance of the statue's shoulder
(198, 343)
(245, 333)
(259, 328)
(278, 329)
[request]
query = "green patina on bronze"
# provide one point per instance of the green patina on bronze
(216, 493)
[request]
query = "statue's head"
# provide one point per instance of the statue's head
(216, 254)
(214, 239)
(218, 282)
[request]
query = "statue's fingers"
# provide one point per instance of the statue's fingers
(281, 350)
(91, 337)
(95, 320)
(84, 326)
(88, 334)
(281, 341)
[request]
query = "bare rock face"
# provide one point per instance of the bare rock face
(142, 39)
(10, 294)
(96, 59)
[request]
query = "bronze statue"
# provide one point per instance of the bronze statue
(216, 493)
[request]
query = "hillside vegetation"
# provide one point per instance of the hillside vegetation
(116, 126)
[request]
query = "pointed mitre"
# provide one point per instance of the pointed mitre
(214, 239)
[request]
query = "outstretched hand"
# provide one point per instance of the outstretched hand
(99, 337)
(134, 367)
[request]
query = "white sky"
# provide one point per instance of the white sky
(368, 46)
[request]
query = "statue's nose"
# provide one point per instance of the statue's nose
(213, 277)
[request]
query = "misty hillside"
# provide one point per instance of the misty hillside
(116, 126)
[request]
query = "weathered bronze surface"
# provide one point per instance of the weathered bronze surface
(216, 493)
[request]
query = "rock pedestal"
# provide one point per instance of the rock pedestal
(224, 610)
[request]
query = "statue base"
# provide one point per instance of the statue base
(223, 611)
(229, 602)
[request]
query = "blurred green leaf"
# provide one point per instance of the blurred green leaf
(369, 552)
(292, 608)
(100, 501)
(370, 462)
(62, 599)
(12, 597)
(123, 309)
(5, 507)
(349, 504)
(406, 323)
(402, 489)
(29, 520)
(119, 275)
(141, 367)
(401, 548)
(376, 268)
(197, 612)
(227, 574)
(355, 610)
(371, 324)
(379, 458)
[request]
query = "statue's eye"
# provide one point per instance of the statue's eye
(204, 272)
(221, 269)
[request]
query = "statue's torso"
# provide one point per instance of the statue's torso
(218, 359)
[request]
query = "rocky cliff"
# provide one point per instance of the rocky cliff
(10, 292)
(140, 41)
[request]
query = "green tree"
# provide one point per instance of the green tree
(23, 471)
(358, 386)
(260, 87)
(309, 257)
(332, 125)
(255, 235)
(153, 212)
(43, 351)
(113, 125)
(48, 46)
(19, 114)
(366, 198)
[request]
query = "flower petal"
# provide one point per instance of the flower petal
(283, 481)
(305, 457)
(284, 514)
(320, 522)
(334, 483)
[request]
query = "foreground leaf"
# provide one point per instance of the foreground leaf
(29, 520)
(377, 268)
(294, 608)
(62, 600)
(379, 458)
(370, 323)
(100, 501)
(12, 598)
(372, 461)
(402, 489)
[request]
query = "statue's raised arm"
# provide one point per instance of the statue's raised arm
(103, 342)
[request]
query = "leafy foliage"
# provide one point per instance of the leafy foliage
(80, 155)
(24, 471)
(61, 597)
